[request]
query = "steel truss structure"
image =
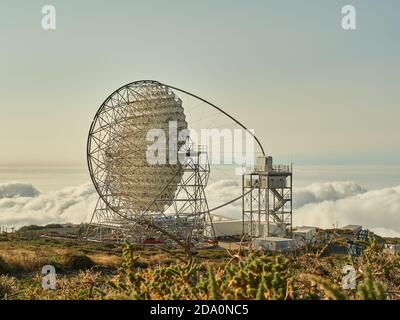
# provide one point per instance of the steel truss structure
(267, 201)
(141, 201)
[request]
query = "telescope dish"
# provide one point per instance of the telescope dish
(117, 147)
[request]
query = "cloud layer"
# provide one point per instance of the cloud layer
(319, 204)
(378, 210)
(16, 189)
(327, 204)
(319, 192)
(74, 204)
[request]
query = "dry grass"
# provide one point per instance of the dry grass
(26, 260)
(27, 256)
(108, 261)
(31, 255)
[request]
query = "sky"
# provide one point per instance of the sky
(313, 92)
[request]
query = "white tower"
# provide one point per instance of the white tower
(267, 200)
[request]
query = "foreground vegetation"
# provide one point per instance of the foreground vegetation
(110, 271)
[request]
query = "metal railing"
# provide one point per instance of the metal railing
(282, 168)
(279, 168)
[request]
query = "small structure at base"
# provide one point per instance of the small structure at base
(275, 244)
(228, 228)
(305, 235)
(274, 229)
(392, 248)
(234, 228)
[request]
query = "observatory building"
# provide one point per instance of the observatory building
(155, 202)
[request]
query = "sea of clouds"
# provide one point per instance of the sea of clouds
(319, 204)
(22, 204)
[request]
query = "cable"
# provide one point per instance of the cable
(214, 106)
(229, 202)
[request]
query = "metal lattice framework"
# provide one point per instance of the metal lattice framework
(140, 201)
(266, 203)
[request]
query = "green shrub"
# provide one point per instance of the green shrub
(53, 226)
(32, 227)
(8, 287)
(370, 289)
(254, 277)
(4, 268)
(78, 261)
